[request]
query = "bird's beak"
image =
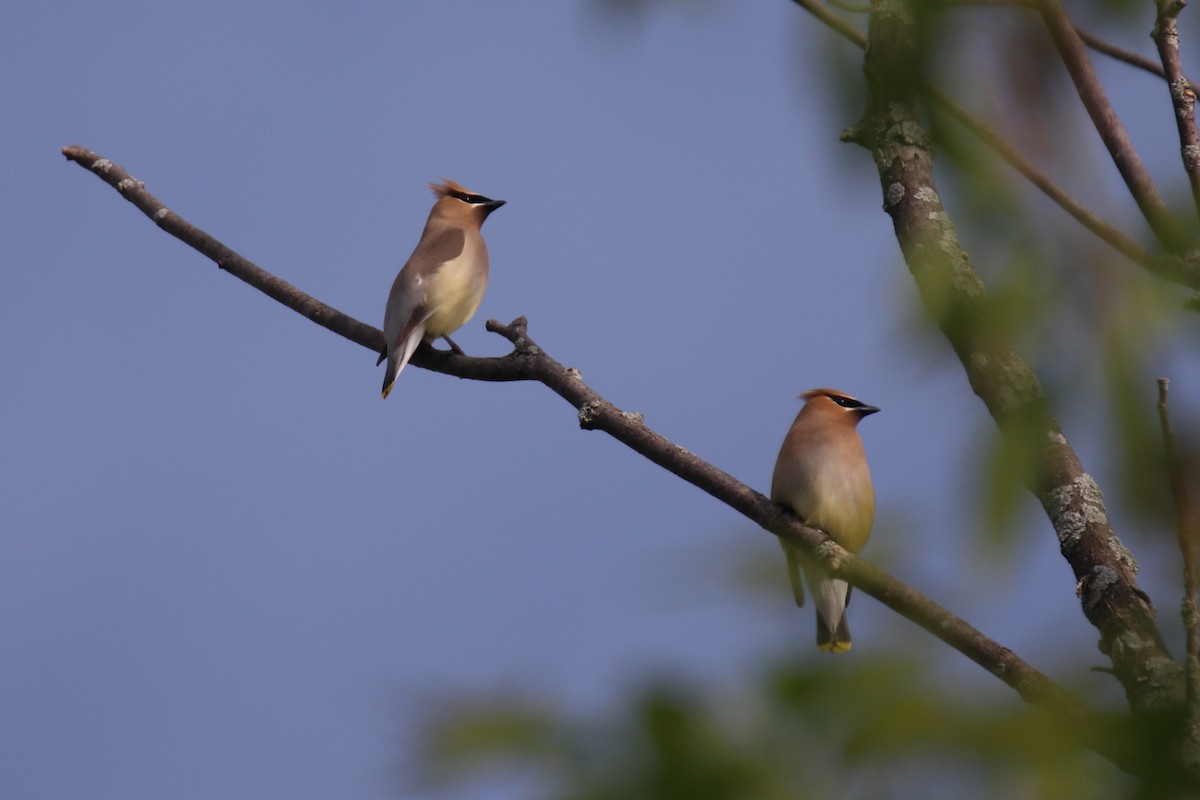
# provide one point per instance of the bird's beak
(866, 411)
(492, 205)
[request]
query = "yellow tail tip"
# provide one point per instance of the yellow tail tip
(834, 647)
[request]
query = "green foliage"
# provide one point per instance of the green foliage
(814, 729)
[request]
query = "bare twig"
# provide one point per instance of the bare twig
(530, 362)
(891, 130)
(1108, 125)
(1183, 97)
(819, 10)
(1121, 54)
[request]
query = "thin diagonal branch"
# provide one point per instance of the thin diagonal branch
(1108, 125)
(530, 362)
(1181, 270)
(1121, 54)
(1183, 97)
(955, 296)
(831, 20)
(1081, 213)
(1091, 40)
(135, 192)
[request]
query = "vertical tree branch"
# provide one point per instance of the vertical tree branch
(1108, 125)
(1183, 97)
(955, 296)
(1187, 532)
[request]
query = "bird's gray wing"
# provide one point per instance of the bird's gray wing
(406, 306)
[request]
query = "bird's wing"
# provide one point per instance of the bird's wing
(407, 302)
(407, 306)
(438, 247)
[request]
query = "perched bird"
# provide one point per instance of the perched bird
(442, 283)
(822, 475)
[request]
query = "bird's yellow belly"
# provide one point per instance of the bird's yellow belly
(843, 508)
(455, 292)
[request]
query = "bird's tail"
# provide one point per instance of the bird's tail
(389, 378)
(832, 595)
(399, 357)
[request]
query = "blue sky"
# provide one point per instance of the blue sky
(228, 569)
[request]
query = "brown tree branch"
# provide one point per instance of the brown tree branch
(1183, 97)
(1183, 269)
(530, 362)
(1108, 125)
(955, 296)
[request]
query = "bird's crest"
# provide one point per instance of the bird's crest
(830, 393)
(448, 188)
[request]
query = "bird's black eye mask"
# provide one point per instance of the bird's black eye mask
(473, 199)
(846, 402)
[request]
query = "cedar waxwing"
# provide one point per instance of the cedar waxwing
(442, 283)
(822, 475)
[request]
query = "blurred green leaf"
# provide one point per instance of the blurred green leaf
(828, 727)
